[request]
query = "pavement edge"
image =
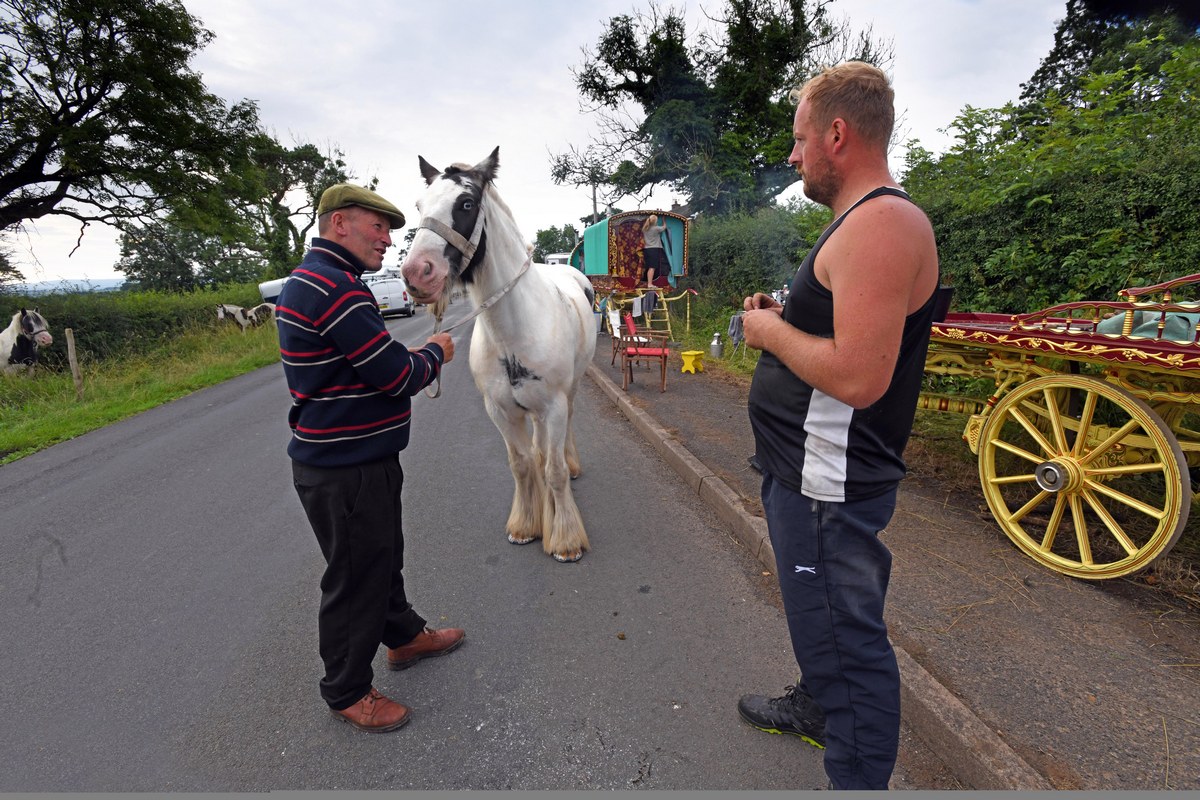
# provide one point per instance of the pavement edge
(970, 749)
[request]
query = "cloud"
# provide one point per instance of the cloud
(386, 81)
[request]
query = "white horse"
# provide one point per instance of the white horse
(19, 342)
(533, 340)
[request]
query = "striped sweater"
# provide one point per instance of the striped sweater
(350, 380)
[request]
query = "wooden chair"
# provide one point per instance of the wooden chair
(638, 345)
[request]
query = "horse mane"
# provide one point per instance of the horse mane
(493, 197)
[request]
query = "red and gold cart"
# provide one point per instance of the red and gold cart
(1085, 444)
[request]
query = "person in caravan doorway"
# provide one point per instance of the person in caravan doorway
(654, 255)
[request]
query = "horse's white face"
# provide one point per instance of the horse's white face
(34, 325)
(453, 199)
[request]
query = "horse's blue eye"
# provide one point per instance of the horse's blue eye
(467, 205)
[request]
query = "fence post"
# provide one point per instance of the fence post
(75, 373)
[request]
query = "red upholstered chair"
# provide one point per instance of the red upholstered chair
(642, 344)
(614, 325)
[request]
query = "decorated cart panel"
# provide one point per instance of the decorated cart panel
(1086, 444)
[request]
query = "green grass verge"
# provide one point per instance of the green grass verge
(43, 409)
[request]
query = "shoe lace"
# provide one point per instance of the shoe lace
(798, 702)
(791, 698)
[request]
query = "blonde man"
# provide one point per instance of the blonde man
(831, 405)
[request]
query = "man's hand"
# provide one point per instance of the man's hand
(760, 300)
(444, 341)
(762, 312)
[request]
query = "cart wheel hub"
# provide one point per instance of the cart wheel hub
(1059, 475)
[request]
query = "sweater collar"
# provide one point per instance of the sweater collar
(348, 259)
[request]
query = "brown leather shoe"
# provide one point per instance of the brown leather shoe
(427, 644)
(374, 713)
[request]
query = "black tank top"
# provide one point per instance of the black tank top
(819, 446)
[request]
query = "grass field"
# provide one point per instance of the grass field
(43, 409)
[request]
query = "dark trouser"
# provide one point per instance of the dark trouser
(655, 259)
(833, 574)
(355, 513)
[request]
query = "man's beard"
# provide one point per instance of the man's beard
(821, 184)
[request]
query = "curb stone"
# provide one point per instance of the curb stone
(974, 753)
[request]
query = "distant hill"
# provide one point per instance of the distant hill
(66, 286)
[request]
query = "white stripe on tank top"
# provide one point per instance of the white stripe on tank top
(827, 429)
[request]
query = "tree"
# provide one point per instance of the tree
(589, 168)
(406, 245)
(554, 240)
(165, 256)
(1099, 196)
(735, 255)
(102, 118)
(711, 121)
(252, 225)
(8, 271)
(1095, 36)
(275, 194)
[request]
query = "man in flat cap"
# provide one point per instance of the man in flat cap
(350, 383)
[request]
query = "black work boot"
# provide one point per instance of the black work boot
(795, 713)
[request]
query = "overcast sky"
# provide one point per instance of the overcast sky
(450, 80)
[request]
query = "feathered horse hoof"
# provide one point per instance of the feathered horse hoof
(568, 558)
(516, 540)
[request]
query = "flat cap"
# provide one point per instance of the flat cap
(341, 195)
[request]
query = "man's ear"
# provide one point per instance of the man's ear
(839, 131)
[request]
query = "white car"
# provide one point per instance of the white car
(270, 289)
(391, 292)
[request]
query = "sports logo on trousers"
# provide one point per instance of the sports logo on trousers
(813, 570)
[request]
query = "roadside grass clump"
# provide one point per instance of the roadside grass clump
(42, 409)
(709, 316)
(110, 325)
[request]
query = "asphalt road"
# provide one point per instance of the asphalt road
(158, 597)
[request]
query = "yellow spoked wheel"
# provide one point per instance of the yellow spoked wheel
(1084, 477)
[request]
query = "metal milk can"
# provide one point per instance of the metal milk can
(717, 348)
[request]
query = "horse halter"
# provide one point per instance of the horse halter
(466, 247)
(36, 330)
